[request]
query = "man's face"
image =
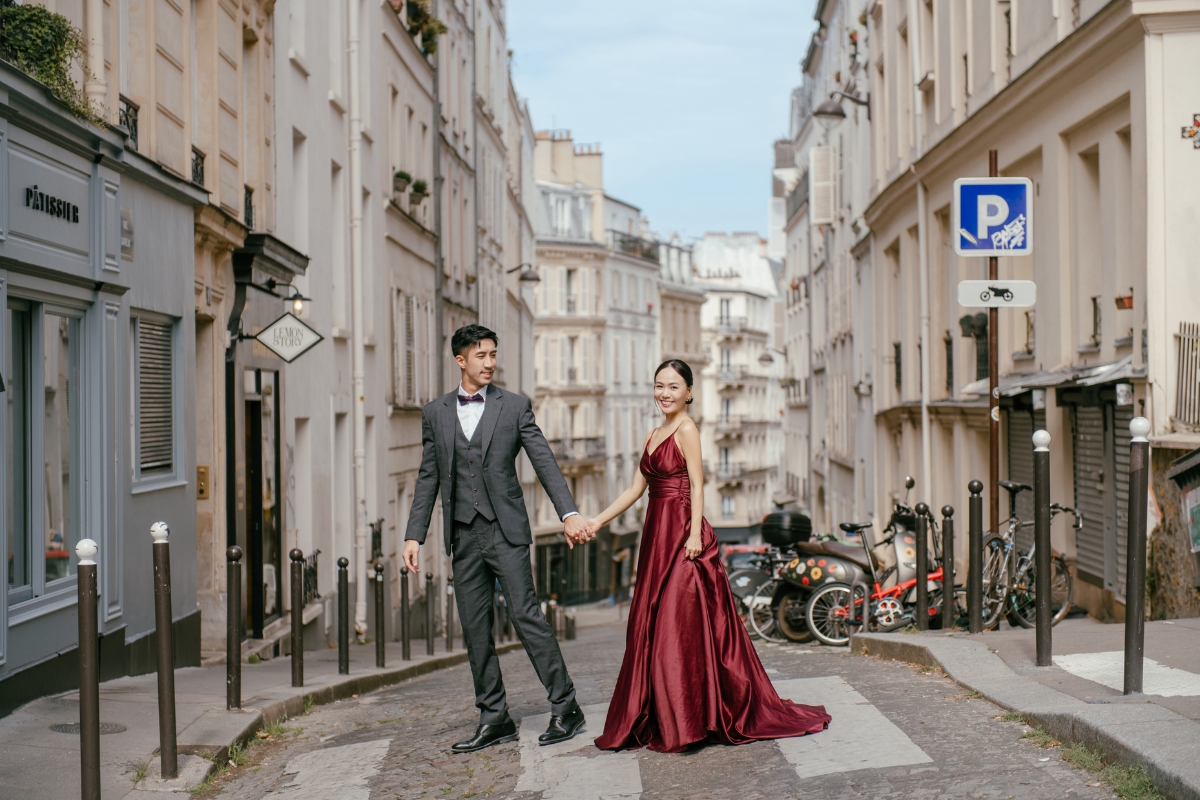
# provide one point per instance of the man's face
(478, 363)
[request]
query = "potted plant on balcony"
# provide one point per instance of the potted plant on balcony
(420, 190)
(400, 182)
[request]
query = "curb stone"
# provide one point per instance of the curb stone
(216, 731)
(1130, 733)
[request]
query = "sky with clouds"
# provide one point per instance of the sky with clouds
(684, 96)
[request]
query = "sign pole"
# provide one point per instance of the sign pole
(994, 376)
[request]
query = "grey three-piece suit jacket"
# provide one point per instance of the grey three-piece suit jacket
(507, 425)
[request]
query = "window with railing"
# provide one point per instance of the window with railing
(197, 167)
(1187, 381)
(248, 207)
(127, 118)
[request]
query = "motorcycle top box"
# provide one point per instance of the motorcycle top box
(786, 528)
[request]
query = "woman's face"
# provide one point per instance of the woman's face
(670, 391)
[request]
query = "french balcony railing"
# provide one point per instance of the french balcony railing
(127, 118)
(197, 167)
(584, 449)
(633, 245)
(731, 470)
(733, 373)
(727, 326)
(729, 423)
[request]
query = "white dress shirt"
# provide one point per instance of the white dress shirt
(469, 415)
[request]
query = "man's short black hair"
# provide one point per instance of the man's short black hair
(468, 336)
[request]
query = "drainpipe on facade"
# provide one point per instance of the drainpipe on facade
(439, 261)
(914, 37)
(95, 89)
(356, 300)
(475, 168)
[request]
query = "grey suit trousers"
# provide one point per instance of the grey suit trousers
(482, 555)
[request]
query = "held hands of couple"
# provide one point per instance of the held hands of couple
(578, 530)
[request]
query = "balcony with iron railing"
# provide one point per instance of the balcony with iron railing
(633, 245)
(584, 449)
(731, 326)
(730, 423)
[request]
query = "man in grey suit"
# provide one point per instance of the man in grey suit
(470, 439)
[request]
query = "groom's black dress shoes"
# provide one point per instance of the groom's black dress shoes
(486, 736)
(563, 727)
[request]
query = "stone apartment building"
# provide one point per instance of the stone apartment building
(1087, 100)
(742, 437)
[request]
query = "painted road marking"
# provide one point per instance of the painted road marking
(1109, 669)
(559, 776)
(340, 772)
(860, 736)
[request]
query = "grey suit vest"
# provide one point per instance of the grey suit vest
(470, 493)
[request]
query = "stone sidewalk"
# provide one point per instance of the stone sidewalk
(1079, 699)
(37, 762)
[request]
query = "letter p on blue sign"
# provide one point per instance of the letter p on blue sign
(993, 217)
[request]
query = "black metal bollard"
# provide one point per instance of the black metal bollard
(975, 557)
(1135, 570)
(380, 627)
(449, 614)
(922, 610)
(343, 619)
(297, 581)
(405, 645)
(233, 627)
(429, 614)
(167, 743)
(1041, 546)
(949, 615)
(89, 673)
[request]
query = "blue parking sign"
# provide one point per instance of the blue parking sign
(993, 216)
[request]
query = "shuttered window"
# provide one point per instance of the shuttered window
(155, 396)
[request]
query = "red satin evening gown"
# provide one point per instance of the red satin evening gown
(690, 672)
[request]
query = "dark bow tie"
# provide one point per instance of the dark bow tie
(463, 399)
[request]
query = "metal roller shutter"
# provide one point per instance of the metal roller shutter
(1090, 497)
(1021, 425)
(1122, 416)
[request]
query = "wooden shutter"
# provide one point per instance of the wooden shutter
(821, 186)
(155, 396)
(431, 347)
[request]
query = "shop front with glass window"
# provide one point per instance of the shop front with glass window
(94, 400)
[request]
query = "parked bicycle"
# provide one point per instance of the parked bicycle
(1008, 571)
(835, 610)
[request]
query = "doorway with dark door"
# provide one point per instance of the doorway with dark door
(262, 523)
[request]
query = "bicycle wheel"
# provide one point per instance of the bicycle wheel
(790, 619)
(1022, 601)
(996, 574)
(829, 614)
(761, 615)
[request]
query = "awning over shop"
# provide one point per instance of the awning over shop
(1011, 385)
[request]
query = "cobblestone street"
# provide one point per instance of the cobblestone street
(897, 733)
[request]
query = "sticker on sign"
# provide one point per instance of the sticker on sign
(997, 294)
(993, 216)
(288, 338)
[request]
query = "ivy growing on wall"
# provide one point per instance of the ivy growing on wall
(46, 46)
(422, 21)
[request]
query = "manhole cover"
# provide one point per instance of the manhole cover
(73, 727)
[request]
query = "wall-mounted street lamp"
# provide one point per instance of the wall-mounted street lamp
(528, 274)
(298, 300)
(766, 357)
(830, 113)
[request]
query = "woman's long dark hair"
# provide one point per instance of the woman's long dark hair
(681, 367)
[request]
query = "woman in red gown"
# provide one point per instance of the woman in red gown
(690, 672)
